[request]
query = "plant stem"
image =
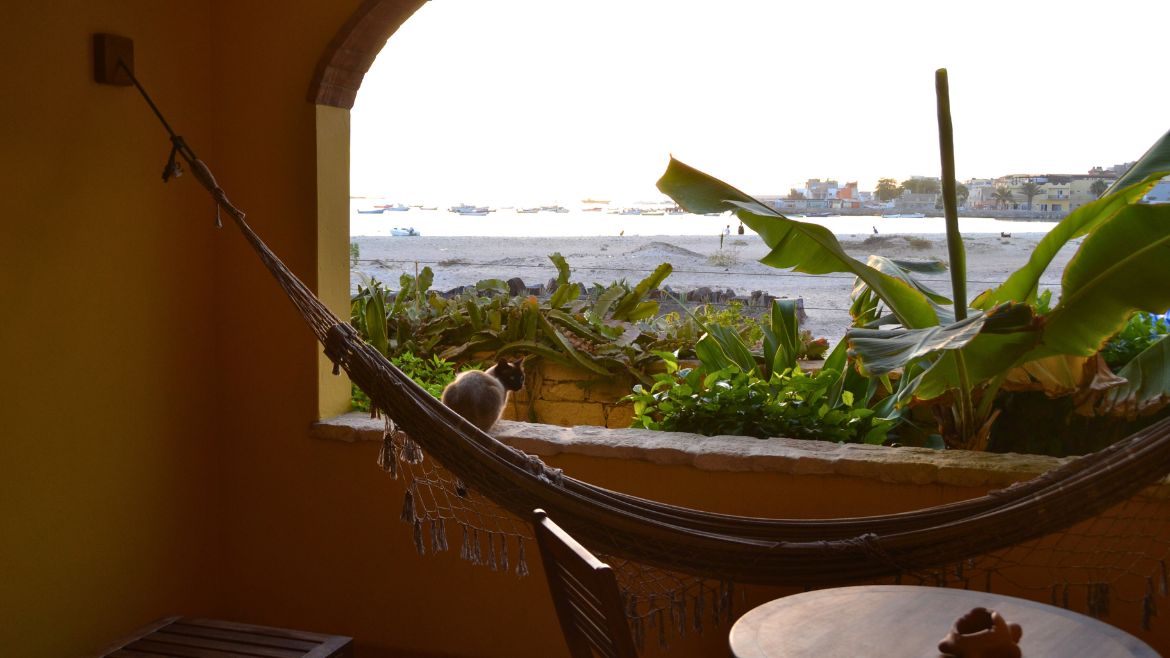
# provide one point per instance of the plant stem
(946, 144)
(958, 256)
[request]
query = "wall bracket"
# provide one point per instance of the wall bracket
(110, 54)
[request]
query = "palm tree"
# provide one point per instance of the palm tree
(1030, 190)
(1098, 187)
(1003, 196)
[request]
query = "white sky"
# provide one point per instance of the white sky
(540, 101)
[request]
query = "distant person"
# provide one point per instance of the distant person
(875, 230)
(726, 232)
(740, 231)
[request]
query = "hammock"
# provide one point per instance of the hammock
(740, 549)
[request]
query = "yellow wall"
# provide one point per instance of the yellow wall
(158, 388)
(109, 489)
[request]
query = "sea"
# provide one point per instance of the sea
(578, 222)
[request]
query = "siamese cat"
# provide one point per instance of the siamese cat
(480, 395)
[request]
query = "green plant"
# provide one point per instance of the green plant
(946, 347)
(433, 374)
(730, 400)
(611, 330)
(1139, 333)
(736, 390)
(355, 253)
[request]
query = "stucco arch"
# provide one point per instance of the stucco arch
(352, 50)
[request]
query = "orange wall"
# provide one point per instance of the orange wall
(109, 491)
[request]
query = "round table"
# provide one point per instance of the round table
(902, 621)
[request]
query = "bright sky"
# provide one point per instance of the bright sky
(541, 101)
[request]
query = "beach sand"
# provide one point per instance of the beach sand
(698, 261)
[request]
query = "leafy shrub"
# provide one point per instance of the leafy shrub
(729, 400)
(433, 374)
(1141, 331)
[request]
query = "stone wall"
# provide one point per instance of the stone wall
(555, 394)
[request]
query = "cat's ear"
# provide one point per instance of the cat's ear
(502, 362)
(518, 362)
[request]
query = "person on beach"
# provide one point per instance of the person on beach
(722, 236)
(740, 231)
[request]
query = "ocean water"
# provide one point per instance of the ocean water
(507, 222)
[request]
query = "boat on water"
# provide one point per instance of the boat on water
(404, 232)
(370, 211)
(905, 215)
(527, 211)
(474, 211)
(398, 207)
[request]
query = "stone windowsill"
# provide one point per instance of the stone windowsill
(919, 466)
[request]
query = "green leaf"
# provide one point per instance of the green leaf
(606, 299)
(711, 355)
(905, 270)
(375, 319)
(1022, 285)
(784, 335)
(567, 348)
(1147, 387)
(634, 298)
(803, 247)
(644, 310)
(879, 351)
(565, 293)
(733, 346)
(1124, 265)
(492, 285)
(425, 278)
(562, 268)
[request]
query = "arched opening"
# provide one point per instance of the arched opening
(335, 83)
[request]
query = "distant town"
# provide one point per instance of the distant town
(1014, 196)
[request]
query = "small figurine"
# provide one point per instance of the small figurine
(982, 633)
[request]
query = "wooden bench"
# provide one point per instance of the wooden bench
(207, 638)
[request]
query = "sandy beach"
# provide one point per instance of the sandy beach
(697, 261)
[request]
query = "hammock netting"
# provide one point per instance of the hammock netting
(1082, 522)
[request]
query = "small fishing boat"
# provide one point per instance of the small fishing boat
(398, 207)
(404, 232)
(370, 211)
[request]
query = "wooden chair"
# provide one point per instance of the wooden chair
(585, 592)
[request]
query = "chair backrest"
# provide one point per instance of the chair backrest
(585, 592)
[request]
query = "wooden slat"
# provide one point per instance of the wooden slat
(252, 628)
(259, 639)
(184, 637)
(176, 651)
(241, 648)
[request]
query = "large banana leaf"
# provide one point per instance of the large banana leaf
(804, 247)
(905, 270)
(880, 351)
(1147, 386)
(1124, 265)
(992, 342)
(1022, 285)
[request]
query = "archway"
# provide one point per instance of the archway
(334, 86)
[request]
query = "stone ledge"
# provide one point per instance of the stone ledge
(919, 466)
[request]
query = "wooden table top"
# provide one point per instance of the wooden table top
(902, 621)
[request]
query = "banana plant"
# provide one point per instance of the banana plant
(1124, 241)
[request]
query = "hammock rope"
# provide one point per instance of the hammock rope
(728, 548)
(743, 549)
